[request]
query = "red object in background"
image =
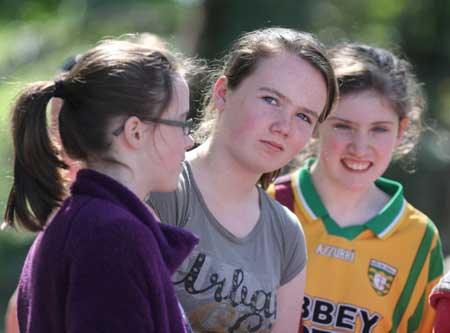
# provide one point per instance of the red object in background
(442, 319)
(300, 327)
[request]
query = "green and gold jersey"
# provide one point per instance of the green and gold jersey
(374, 277)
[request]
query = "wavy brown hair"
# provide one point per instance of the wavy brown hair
(359, 68)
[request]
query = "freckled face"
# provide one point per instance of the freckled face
(357, 141)
(269, 117)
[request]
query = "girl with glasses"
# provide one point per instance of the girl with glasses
(101, 261)
(248, 272)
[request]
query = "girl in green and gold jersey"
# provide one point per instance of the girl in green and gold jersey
(373, 257)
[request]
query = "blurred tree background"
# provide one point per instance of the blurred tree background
(36, 36)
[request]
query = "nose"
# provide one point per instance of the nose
(188, 142)
(282, 125)
(360, 143)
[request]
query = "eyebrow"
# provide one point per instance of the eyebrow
(383, 122)
(280, 95)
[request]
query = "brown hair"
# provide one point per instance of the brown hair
(246, 53)
(112, 80)
(360, 67)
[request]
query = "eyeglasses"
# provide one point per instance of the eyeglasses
(185, 125)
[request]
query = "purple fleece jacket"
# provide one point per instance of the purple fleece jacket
(103, 264)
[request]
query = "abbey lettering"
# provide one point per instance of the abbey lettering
(325, 316)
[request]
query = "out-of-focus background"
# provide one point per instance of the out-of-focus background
(36, 36)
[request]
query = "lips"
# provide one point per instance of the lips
(272, 145)
(356, 166)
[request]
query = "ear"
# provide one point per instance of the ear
(402, 125)
(220, 93)
(133, 132)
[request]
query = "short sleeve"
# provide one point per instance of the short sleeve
(294, 246)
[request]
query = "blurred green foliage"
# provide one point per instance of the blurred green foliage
(37, 36)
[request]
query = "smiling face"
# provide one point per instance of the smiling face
(269, 117)
(356, 143)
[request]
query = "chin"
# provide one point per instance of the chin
(267, 167)
(165, 188)
(168, 186)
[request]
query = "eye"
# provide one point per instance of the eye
(304, 117)
(270, 100)
(342, 126)
(380, 129)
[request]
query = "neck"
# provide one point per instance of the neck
(122, 175)
(216, 170)
(348, 207)
(228, 189)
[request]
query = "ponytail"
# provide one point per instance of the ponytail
(37, 182)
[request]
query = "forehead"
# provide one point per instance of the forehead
(179, 103)
(292, 76)
(365, 107)
(181, 87)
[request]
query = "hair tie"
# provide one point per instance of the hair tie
(59, 89)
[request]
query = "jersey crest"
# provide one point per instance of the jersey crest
(381, 276)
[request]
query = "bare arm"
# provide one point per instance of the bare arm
(290, 302)
(11, 323)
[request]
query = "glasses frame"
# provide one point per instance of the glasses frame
(186, 126)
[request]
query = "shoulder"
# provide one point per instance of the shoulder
(282, 218)
(418, 229)
(101, 223)
(418, 220)
(408, 218)
(288, 234)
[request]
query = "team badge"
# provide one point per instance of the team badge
(381, 276)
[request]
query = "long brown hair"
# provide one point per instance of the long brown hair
(114, 79)
(250, 49)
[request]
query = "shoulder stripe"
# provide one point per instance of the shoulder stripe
(390, 228)
(436, 261)
(416, 268)
(416, 318)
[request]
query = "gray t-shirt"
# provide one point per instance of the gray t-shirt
(229, 284)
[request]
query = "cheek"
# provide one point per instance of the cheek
(386, 144)
(167, 144)
(243, 122)
(331, 144)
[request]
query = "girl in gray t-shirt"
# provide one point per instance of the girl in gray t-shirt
(248, 272)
